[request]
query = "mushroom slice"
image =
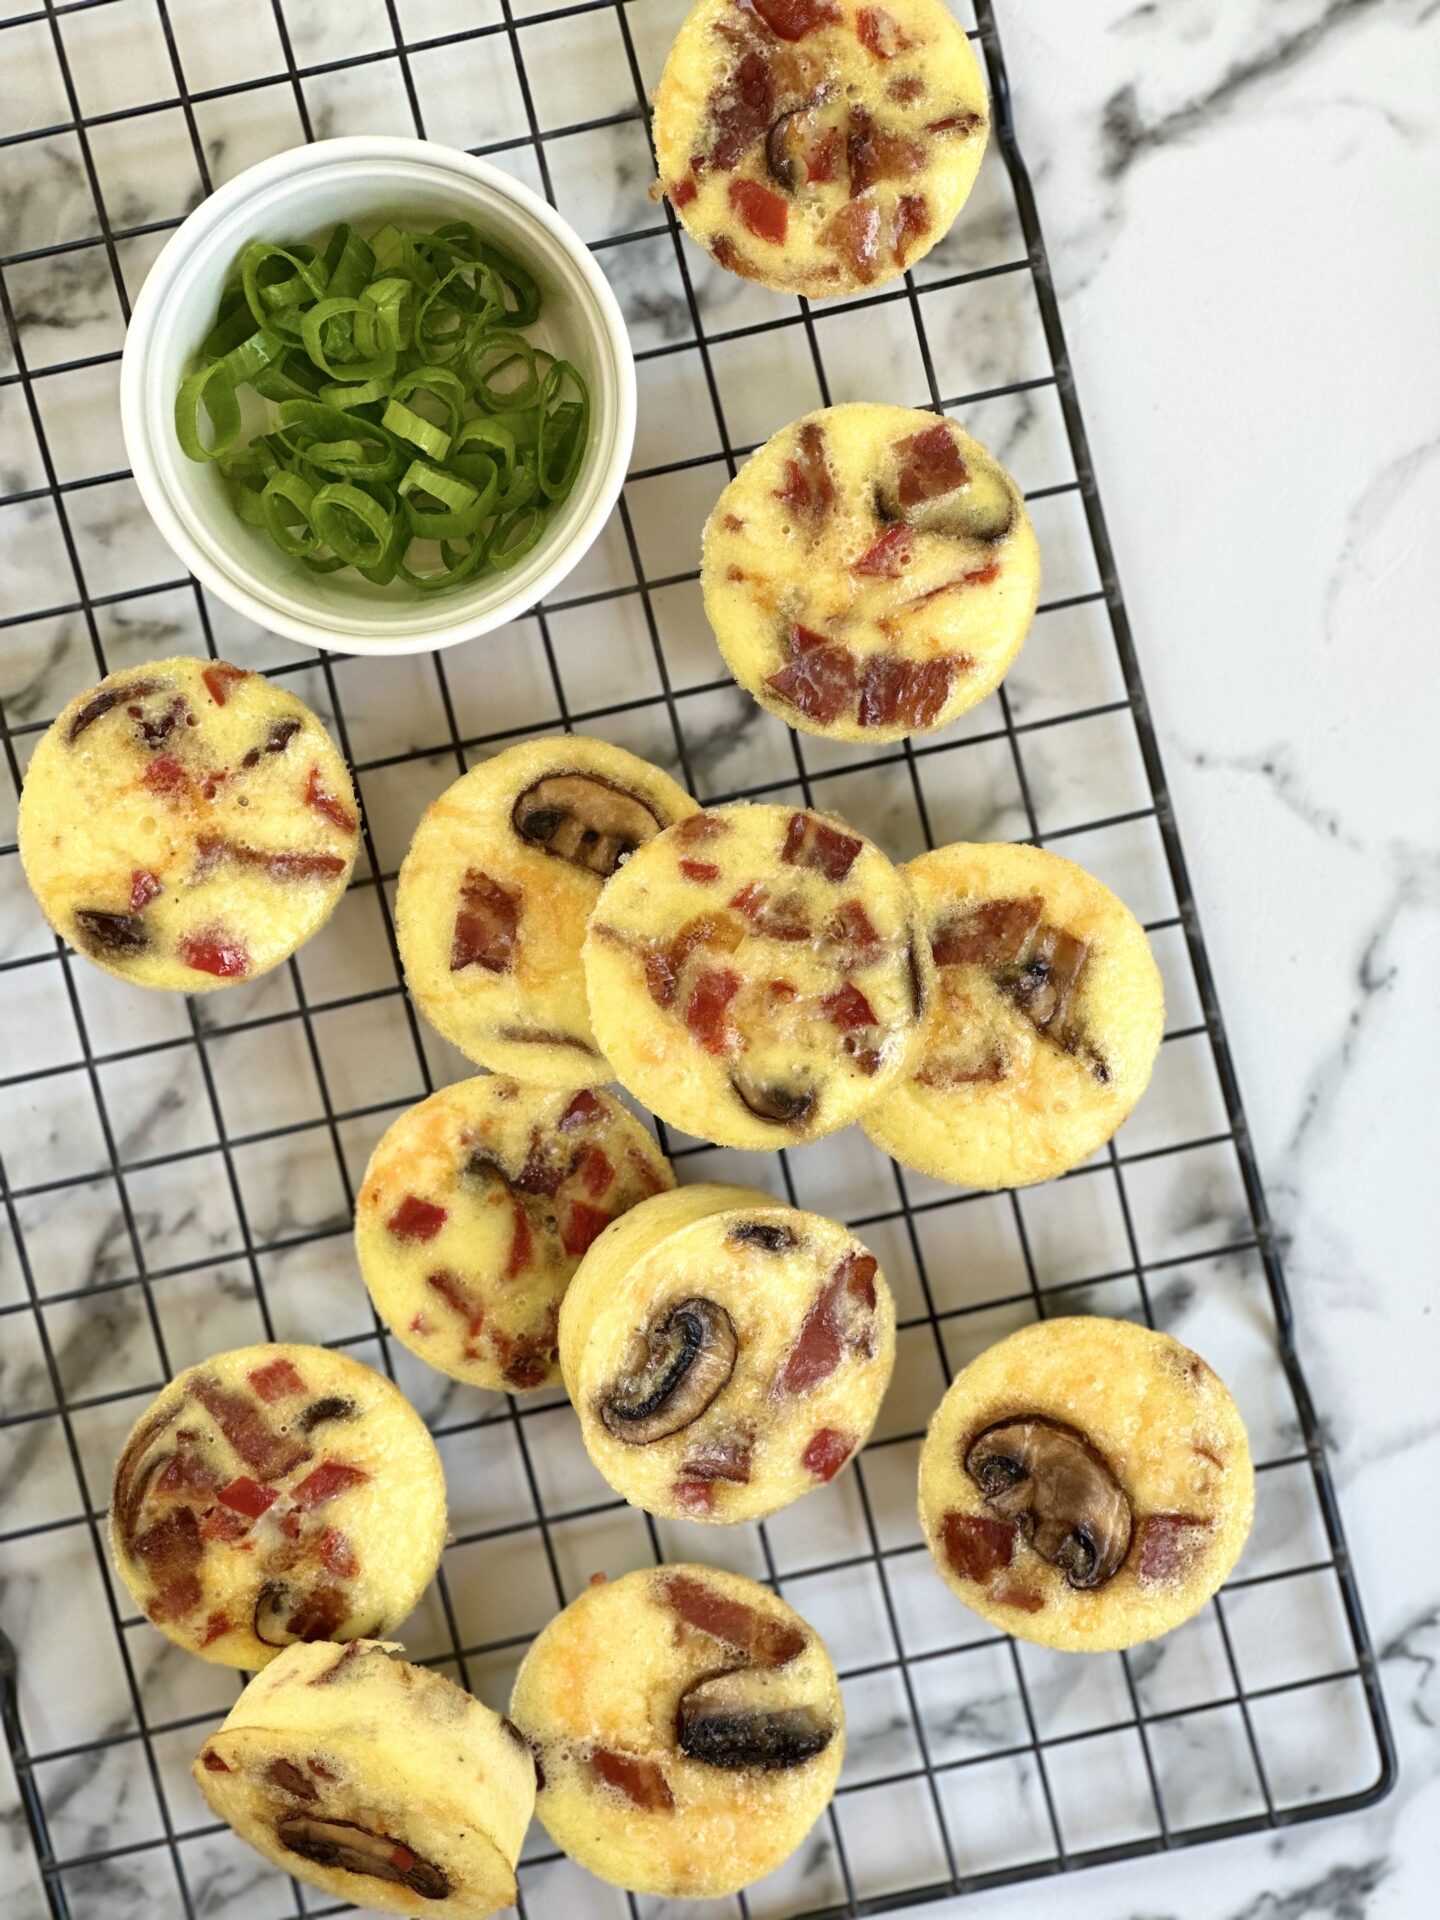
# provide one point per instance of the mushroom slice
(341, 1843)
(681, 1362)
(580, 818)
(284, 1614)
(787, 1106)
(736, 1720)
(101, 932)
(1057, 1489)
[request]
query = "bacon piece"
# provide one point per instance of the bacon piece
(278, 1380)
(955, 123)
(761, 211)
(785, 920)
(279, 863)
(852, 926)
(247, 1496)
(1167, 1541)
(1010, 1593)
(582, 1227)
(698, 827)
(216, 1627)
(930, 465)
(327, 1481)
(176, 1598)
(973, 577)
(661, 978)
(642, 1782)
(165, 775)
(683, 192)
(184, 1472)
(450, 1290)
(584, 1110)
(741, 109)
(318, 796)
(764, 1641)
(522, 1245)
(144, 887)
(269, 1455)
(874, 153)
(597, 1172)
(212, 950)
(706, 1012)
(853, 231)
(826, 1452)
(951, 1071)
(219, 678)
(213, 1762)
(793, 19)
(417, 1219)
(840, 1316)
(171, 1548)
(813, 842)
(822, 161)
(993, 933)
(702, 872)
(889, 556)
(485, 925)
(526, 1362)
(221, 1524)
(694, 1496)
(880, 33)
(976, 1546)
(904, 693)
(720, 1459)
(909, 224)
(907, 88)
(820, 683)
(318, 1615)
(337, 1556)
(847, 1008)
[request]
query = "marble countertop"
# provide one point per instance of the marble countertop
(1238, 201)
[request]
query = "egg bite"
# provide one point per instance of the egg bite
(496, 888)
(379, 1782)
(817, 146)
(1086, 1484)
(276, 1494)
(1044, 1026)
(870, 573)
(757, 975)
(187, 824)
(475, 1210)
(726, 1354)
(688, 1730)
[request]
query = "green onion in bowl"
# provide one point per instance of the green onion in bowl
(413, 431)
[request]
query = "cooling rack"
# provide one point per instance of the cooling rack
(177, 1177)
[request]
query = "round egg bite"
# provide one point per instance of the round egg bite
(1086, 1484)
(688, 1730)
(756, 975)
(870, 573)
(725, 1354)
(380, 1782)
(496, 888)
(1044, 1026)
(187, 824)
(815, 145)
(474, 1212)
(275, 1494)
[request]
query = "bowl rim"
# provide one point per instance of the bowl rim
(136, 429)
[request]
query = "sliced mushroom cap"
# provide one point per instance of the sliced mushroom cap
(101, 932)
(335, 1406)
(768, 1234)
(737, 1720)
(580, 818)
(1058, 1490)
(789, 1106)
(340, 1843)
(680, 1363)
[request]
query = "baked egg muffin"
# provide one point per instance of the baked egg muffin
(1086, 1484)
(496, 888)
(276, 1494)
(870, 573)
(755, 974)
(475, 1210)
(1043, 1028)
(815, 145)
(379, 1782)
(726, 1354)
(688, 1730)
(187, 824)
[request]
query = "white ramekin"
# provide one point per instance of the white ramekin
(300, 195)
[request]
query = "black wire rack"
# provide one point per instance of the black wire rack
(178, 1176)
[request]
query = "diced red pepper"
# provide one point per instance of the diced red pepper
(165, 775)
(318, 796)
(683, 192)
(706, 1012)
(809, 487)
(888, 558)
(694, 1496)
(904, 693)
(486, 925)
(584, 1110)
(765, 1641)
(212, 950)
(879, 33)
(219, 678)
(337, 1556)
(813, 842)
(763, 213)
(641, 1781)
(822, 161)
(847, 1008)
(597, 1174)
(221, 1524)
(247, 1496)
(852, 925)
(330, 1479)
(582, 1227)
(144, 887)
(840, 1316)
(522, 1245)
(930, 465)
(793, 19)
(702, 872)
(216, 1627)
(826, 1452)
(977, 1546)
(417, 1219)
(278, 1380)
(401, 1858)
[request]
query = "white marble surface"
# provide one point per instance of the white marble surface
(1239, 200)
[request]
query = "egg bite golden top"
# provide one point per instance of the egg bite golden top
(381, 1782)
(755, 976)
(870, 573)
(725, 1354)
(815, 145)
(275, 1494)
(1044, 1026)
(688, 1729)
(187, 824)
(1086, 1484)
(474, 1212)
(497, 886)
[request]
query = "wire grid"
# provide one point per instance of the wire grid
(973, 1761)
